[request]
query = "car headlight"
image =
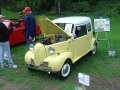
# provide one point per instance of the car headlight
(31, 47)
(51, 50)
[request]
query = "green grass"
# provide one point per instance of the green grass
(1, 85)
(10, 14)
(100, 65)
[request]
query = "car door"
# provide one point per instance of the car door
(80, 42)
(89, 35)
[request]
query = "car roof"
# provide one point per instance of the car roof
(73, 20)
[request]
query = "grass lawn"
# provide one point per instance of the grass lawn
(99, 67)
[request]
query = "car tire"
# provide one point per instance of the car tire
(94, 50)
(65, 71)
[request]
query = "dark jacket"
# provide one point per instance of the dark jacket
(4, 32)
(30, 27)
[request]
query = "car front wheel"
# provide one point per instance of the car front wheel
(65, 70)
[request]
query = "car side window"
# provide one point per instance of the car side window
(81, 31)
(89, 27)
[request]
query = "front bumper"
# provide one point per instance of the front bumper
(42, 67)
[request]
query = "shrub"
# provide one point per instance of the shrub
(118, 9)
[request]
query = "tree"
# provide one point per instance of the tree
(0, 11)
(58, 6)
(6, 3)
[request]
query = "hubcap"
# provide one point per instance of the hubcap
(65, 70)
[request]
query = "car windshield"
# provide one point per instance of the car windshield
(67, 27)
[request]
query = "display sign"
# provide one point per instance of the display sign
(102, 25)
(84, 79)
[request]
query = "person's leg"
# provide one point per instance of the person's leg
(5, 56)
(7, 50)
(29, 42)
(2, 61)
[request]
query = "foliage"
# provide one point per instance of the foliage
(20, 5)
(7, 4)
(92, 2)
(118, 8)
(107, 9)
(81, 7)
(96, 7)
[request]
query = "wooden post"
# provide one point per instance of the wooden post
(83, 87)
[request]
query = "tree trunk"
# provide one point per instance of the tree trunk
(0, 10)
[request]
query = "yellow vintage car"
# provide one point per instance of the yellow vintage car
(65, 41)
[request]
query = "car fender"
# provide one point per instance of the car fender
(92, 42)
(28, 56)
(56, 61)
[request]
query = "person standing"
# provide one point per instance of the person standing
(4, 44)
(30, 26)
(21, 16)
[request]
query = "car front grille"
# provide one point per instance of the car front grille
(45, 64)
(32, 62)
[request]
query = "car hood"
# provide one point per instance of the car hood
(48, 27)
